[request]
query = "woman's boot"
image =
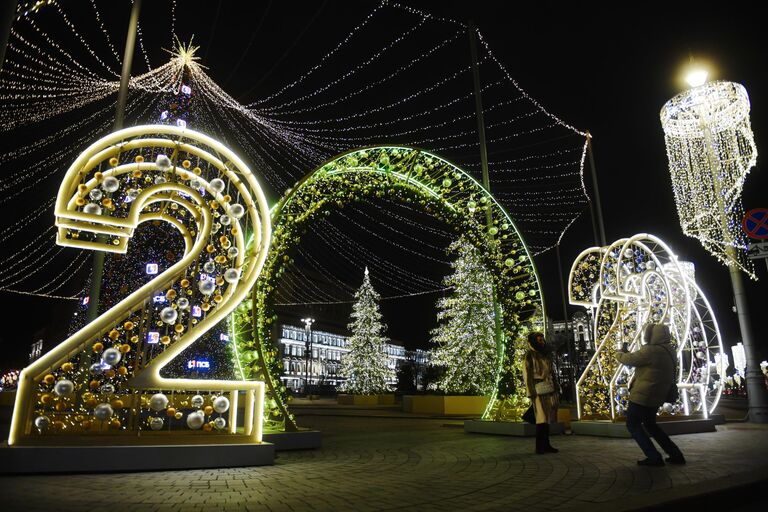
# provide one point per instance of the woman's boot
(541, 443)
(548, 447)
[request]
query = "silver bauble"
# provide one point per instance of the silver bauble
(169, 315)
(182, 303)
(197, 401)
(232, 252)
(195, 420)
(155, 423)
(107, 389)
(42, 423)
(236, 211)
(132, 194)
(207, 287)
(111, 356)
(220, 404)
(220, 423)
(217, 185)
(96, 369)
(232, 275)
(92, 209)
(209, 267)
(103, 412)
(110, 184)
(225, 220)
(64, 387)
(159, 180)
(158, 402)
(163, 162)
(96, 194)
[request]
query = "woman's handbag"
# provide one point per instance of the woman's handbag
(545, 387)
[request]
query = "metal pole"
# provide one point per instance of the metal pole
(122, 98)
(571, 343)
(484, 165)
(597, 205)
(7, 15)
(757, 395)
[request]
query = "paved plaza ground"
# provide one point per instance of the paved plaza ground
(375, 462)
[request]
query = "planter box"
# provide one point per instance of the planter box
(387, 399)
(445, 405)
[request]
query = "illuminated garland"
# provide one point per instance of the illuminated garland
(711, 148)
(440, 189)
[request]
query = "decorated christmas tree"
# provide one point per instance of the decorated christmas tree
(464, 343)
(366, 362)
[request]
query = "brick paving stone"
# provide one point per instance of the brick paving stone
(369, 464)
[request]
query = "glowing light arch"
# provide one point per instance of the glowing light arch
(442, 190)
(626, 284)
(139, 174)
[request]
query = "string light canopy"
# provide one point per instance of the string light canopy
(711, 149)
(391, 78)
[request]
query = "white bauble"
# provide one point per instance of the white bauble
(158, 402)
(195, 420)
(220, 404)
(92, 209)
(163, 162)
(217, 185)
(110, 184)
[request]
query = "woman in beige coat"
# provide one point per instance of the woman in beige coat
(540, 383)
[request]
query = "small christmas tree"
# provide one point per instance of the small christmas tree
(366, 362)
(464, 341)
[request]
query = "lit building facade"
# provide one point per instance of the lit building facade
(574, 346)
(328, 349)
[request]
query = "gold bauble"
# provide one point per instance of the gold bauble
(170, 412)
(128, 326)
(46, 399)
(219, 280)
(61, 406)
(59, 425)
(178, 415)
(122, 371)
(110, 374)
(80, 201)
(186, 164)
(165, 340)
(170, 294)
(67, 367)
(114, 161)
(125, 348)
(184, 283)
(139, 159)
(92, 402)
(134, 338)
(98, 176)
(208, 410)
(178, 328)
(115, 424)
(82, 189)
(117, 403)
(227, 198)
(49, 379)
(205, 306)
(114, 334)
(221, 259)
(136, 173)
(197, 171)
(86, 424)
(217, 299)
(207, 427)
(210, 248)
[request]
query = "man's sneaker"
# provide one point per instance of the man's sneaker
(650, 462)
(676, 460)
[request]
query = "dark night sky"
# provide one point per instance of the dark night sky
(608, 71)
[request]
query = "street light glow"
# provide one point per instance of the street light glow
(696, 77)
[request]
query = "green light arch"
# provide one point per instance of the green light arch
(442, 190)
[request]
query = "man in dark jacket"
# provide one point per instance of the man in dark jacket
(654, 376)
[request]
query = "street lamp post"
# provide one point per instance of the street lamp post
(711, 149)
(308, 352)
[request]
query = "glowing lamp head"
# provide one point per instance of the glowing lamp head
(696, 77)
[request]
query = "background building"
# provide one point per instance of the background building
(573, 346)
(328, 349)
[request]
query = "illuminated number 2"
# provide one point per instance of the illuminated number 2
(105, 379)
